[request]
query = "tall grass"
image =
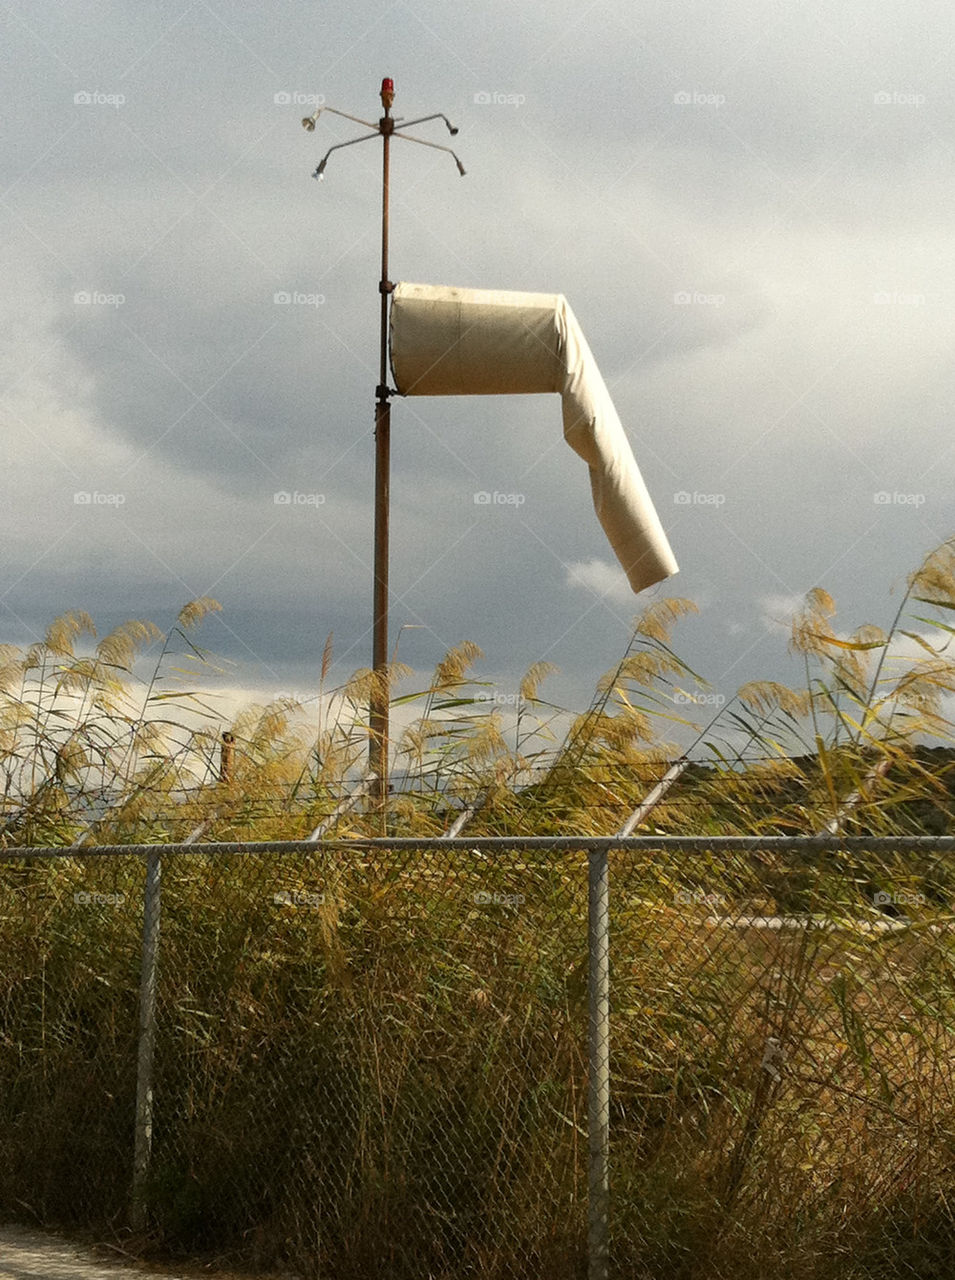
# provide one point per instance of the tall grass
(120, 742)
(376, 1065)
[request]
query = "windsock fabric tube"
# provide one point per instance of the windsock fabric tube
(465, 342)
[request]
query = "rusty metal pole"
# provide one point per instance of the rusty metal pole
(379, 706)
(379, 702)
(226, 756)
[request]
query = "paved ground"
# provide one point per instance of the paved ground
(30, 1255)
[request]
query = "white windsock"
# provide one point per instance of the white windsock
(461, 342)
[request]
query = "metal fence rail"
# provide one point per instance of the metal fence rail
(394, 1056)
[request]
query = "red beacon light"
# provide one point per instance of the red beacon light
(387, 92)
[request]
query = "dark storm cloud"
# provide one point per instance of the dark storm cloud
(746, 206)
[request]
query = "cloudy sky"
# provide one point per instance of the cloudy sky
(748, 206)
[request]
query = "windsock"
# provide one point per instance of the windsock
(461, 342)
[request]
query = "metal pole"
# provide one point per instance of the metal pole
(226, 756)
(598, 1058)
(152, 914)
(379, 708)
(147, 1040)
(646, 807)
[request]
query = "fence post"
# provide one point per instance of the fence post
(598, 1056)
(226, 756)
(152, 902)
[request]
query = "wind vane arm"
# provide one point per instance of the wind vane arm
(385, 128)
(320, 171)
(310, 121)
(408, 124)
(437, 146)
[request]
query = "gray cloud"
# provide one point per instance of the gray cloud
(744, 206)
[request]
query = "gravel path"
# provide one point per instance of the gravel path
(30, 1255)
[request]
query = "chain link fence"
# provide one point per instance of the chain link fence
(385, 1057)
